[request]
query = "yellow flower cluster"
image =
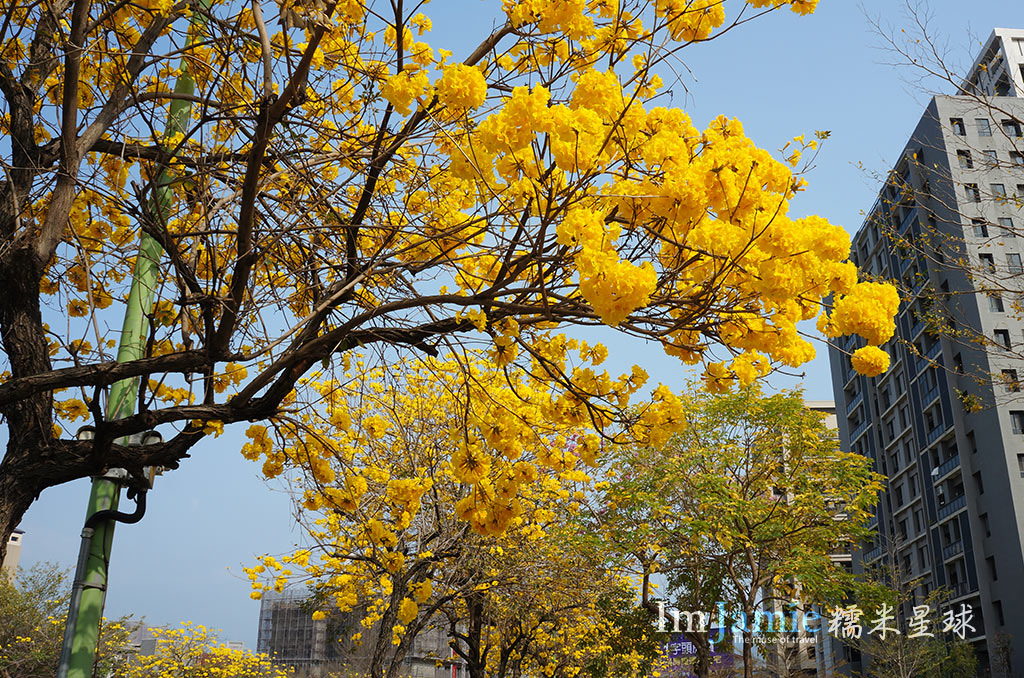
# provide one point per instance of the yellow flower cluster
(404, 89)
(194, 650)
(690, 20)
(870, 361)
(613, 287)
(565, 16)
(866, 310)
(461, 88)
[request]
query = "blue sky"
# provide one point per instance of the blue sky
(782, 76)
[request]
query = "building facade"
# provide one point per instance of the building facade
(814, 652)
(316, 648)
(9, 568)
(945, 423)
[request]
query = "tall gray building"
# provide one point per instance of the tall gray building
(953, 515)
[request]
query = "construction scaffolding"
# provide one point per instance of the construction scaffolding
(314, 648)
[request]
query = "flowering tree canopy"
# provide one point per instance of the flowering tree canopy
(430, 504)
(342, 185)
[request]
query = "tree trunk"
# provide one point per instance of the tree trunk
(14, 501)
(30, 419)
(702, 659)
(748, 658)
(476, 664)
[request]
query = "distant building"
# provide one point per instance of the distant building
(815, 652)
(9, 568)
(315, 648)
(291, 637)
(952, 518)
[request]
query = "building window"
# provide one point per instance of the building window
(899, 502)
(995, 303)
(1003, 337)
(964, 158)
(1010, 380)
(1006, 223)
(991, 562)
(973, 194)
(1017, 421)
(999, 612)
(1020, 464)
(991, 159)
(984, 128)
(1013, 263)
(978, 485)
(980, 228)
(1017, 158)
(958, 126)
(988, 262)
(984, 516)
(998, 190)
(1011, 128)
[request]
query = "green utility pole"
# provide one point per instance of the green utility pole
(81, 633)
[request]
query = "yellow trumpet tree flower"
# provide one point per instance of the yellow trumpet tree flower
(340, 182)
(467, 515)
(192, 651)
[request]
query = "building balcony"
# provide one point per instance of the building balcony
(952, 507)
(851, 374)
(857, 400)
(953, 549)
(873, 554)
(928, 396)
(959, 589)
(938, 432)
(908, 220)
(856, 433)
(943, 469)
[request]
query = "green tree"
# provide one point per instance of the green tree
(32, 611)
(903, 655)
(744, 507)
